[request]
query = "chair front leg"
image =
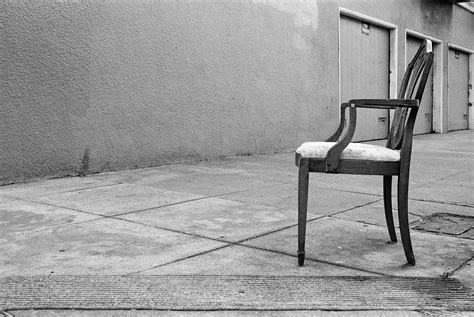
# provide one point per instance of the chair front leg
(387, 202)
(303, 183)
(403, 216)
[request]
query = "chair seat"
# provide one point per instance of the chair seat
(354, 151)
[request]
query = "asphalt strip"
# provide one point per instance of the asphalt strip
(232, 292)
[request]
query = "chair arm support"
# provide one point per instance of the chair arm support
(340, 128)
(384, 103)
(334, 153)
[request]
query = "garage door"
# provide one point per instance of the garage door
(364, 73)
(458, 96)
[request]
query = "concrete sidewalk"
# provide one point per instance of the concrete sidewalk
(237, 217)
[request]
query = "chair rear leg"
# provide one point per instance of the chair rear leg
(303, 182)
(403, 217)
(387, 202)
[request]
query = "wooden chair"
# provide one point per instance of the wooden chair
(338, 155)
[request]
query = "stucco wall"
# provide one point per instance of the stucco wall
(90, 86)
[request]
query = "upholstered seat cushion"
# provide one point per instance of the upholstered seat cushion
(354, 151)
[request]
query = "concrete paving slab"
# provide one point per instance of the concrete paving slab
(453, 189)
(321, 201)
(451, 136)
(426, 208)
(247, 165)
(23, 217)
(258, 162)
(438, 150)
(106, 246)
(446, 224)
(50, 186)
(206, 183)
(241, 260)
(116, 199)
(365, 246)
(132, 176)
(277, 172)
(457, 147)
(468, 235)
(438, 168)
(427, 198)
(145, 176)
(276, 168)
(363, 184)
(6, 199)
(459, 143)
(217, 218)
(372, 214)
(366, 184)
(212, 184)
(465, 274)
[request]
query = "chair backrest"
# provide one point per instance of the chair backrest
(413, 86)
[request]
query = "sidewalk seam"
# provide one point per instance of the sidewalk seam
(449, 273)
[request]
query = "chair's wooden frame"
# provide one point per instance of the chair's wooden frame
(400, 138)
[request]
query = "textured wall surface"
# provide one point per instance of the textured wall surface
(90, 86)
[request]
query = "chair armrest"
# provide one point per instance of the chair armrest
(334, 153)
(340, 128)
(384, 103)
